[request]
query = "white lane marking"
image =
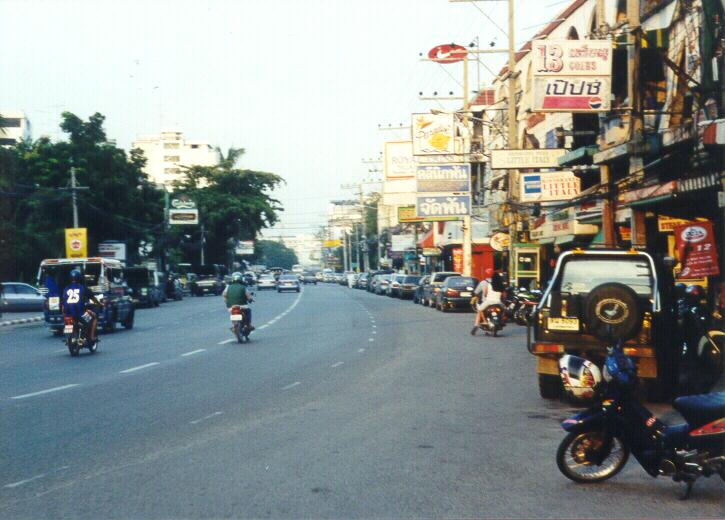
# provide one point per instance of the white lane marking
(263, 326)
(41, 392)
(21, 482)
(197, 351)
(375, 332)
(335, 365)
(197, 421)
(296, 383)
(361, 350)
(60, 350)
(371, 339)
(283, 314)
(226, 341)
(159, 327)
(375, 326)
(140, 367)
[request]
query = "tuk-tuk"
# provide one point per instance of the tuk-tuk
(103, 276)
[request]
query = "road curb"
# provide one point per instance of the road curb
(7, 323)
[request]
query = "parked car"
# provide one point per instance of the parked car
(208, 279)
(103, 276)
(382, 285)
(456, 293)
(308, 277)
(266, 281)
(20, 297)
(418, 292)
(433, 286)
(597, 297)
(143, 289)
(408, 286)
(373, 281)
(362, 281)
(288, 282)
(393, 287)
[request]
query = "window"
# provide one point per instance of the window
(171, 170)
(25, 289)
(171, 146)
(195, 146)
(581, 276)
(11, 122)
(171, 158)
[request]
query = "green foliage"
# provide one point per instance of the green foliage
(274, 254)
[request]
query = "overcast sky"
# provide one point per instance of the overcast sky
(302, 85)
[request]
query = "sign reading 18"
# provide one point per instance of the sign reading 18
(550, 58)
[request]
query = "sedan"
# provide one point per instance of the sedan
(266, 281)
(288, 282)
(393, 288)
(382, 286)
(456, 293)
(17, 297)
(309, 278)
(408, 286)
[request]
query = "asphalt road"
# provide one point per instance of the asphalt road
(344, 405)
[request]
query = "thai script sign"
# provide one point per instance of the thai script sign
(535, 158)
(433, 134)
(444, 177)
(76, 242)
(398, 160)
(572, 75)
(112, 249)
(183, 216)
(431, 207)
(545, 187)
(697, 250)
(408, 214)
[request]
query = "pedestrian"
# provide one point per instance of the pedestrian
(488, 293)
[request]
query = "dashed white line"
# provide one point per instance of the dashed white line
(140, 367)
(361, 350)
(197, 351)
(375, 332)
(25, 481)
(197, 421)
(296, 383)
(48, 391)
(375, 326)
(263, 326)
(371, 339)
(335, 365)
(226, 341)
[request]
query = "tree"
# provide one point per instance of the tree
(234, 204)
(274, 254)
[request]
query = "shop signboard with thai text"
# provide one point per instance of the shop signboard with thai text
(548, 186)
(408, 214)
(572, 75)
(443, 178)
(431, 207)
(697, 250)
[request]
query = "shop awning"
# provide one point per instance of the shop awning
(564, 239)
(583, 154)
(427, 241)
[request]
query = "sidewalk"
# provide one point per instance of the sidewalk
(12, 318)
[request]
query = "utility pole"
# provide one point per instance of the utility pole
(366, 254)
(202, 244)
(636, 123)
(344, 250)
(512, 130)
(73, 188)
(467, 232)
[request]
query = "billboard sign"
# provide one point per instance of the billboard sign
(548, 186)
(398, 160)
(431, 207)
(447, 53)
(534, 158)
(443, 178)
(76, 242)
(244, 247)
(697, 250)
(112, 249)
(179, 217)
(402, 242)
(332, 243)
(407, 214)
(572, 75)
(183, 202)
(433, 134)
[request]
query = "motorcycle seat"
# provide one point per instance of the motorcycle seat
(701, 409)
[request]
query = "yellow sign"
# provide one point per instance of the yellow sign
(667, 224)
(76, 242)
(333, 243)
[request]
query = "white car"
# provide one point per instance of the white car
(266, 281)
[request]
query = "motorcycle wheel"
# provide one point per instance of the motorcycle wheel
(495, 331)
(238, 332)
(72, 348)
(576, 452)
(94, 348)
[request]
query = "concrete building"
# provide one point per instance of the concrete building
(14, 127)
(168, 152)
(307, 247)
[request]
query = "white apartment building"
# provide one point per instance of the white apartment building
(168, 152)
(14, 127)
(307, 247)
(341, 216)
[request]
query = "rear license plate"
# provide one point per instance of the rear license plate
(567, 324)
(68, 329)
(236, 317)
(466, 294)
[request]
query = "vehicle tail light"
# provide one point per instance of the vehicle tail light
(236, 310)
(547, 348)
(68, 320)
(453, 292)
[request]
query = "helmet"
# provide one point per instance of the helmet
(236, 276)
(76, 276)
(580, 376)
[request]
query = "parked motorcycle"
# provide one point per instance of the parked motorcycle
(600, 439)
(527, 302)
(239, 327)
(76, 333)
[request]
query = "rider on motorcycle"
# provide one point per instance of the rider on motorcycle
(488, 293)
(236, 294)
(74, 300)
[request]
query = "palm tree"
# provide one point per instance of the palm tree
(232, 156)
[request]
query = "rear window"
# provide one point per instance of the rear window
(411, 279)
(581, 275)
(462, 281)
(288, 277)
(440, 277)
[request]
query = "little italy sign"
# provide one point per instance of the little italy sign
(443, 206)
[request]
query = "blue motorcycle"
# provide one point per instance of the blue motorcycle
(600, 440)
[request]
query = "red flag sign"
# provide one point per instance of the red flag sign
(697, 250)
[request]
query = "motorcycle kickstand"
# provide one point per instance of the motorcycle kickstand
(688, 490)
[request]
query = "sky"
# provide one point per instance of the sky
(302, 85)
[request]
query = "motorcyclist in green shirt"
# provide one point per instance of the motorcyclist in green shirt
(236, 294)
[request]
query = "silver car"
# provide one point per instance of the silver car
(18, 297)
(266, 281)
(288, 282)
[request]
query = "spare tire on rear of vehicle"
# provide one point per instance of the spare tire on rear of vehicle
(613, 312)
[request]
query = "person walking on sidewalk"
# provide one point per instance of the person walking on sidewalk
(488, 293)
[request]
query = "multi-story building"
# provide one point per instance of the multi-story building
(169, 152)
(14, 127)
(306, 246)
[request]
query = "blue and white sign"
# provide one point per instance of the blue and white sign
(432, 207)
(549, 186)
(443, 178)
